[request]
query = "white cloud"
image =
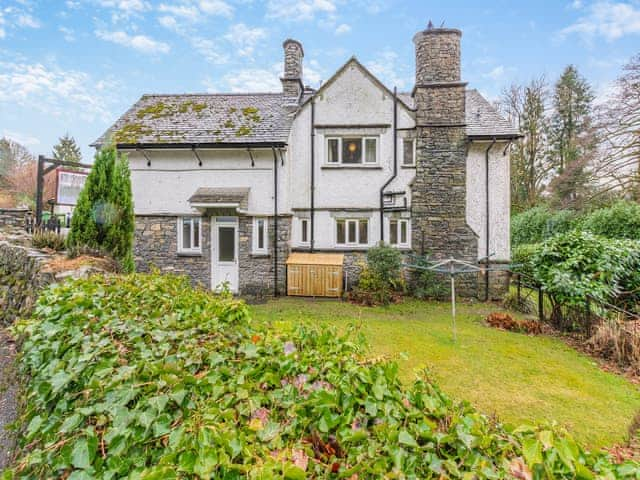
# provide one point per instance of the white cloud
(67, 33)
(126, 6)
(247, 80)
(210, 50)
(168, 22)
(388, 69)
(22, 138)
(496, 73)
(142, 43)
(609, 20)
(188, 12)
(342, 29)
(26, 20)
(576, 4)
(53, 91)
(299, 9)
(244, 38)
(216, 7)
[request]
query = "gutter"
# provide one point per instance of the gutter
(312, 191)
(191, 146)
(395, 161)
(486, 184)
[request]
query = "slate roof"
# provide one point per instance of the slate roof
(482, 119)
(203, 118)
(252, 118)
(207, 195)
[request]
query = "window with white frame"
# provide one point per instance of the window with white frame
(352, 231)
(304, 230)
(399, 232)
(260, 235)
(189, 235)
(408, 151)
(352, 150)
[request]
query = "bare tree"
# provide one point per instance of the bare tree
(619, 124)
(17, 173)
(526, 107)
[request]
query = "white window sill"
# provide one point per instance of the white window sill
(408, 166)
(337, 166)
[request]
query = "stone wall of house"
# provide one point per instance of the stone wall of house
(156, 246)
(257, 270)
(13, 217)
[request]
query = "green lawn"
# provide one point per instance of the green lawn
(521, 379)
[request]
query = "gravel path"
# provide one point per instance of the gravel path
(8, 394)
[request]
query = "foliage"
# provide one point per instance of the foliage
(539, 223)
(17, 174)
(143, 376)
(425, 284)
(577, 265)
(67, 150)
(381, 278)
(103, 217)
(621, 220)
(48, 239)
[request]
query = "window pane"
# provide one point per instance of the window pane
(260, 227)
(370, 150)
(186, 233)
(226, 244)
(196, 233)
(352, 150)
(408, 152)
(364, 231)
(332, 150)
(340, 233)
(351, 231)
(403, 231)
(393, 232)
(304, 224)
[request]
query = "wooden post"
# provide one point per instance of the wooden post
(518, 286)
(39, 188)
(540, 304)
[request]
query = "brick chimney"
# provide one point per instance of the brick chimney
(439, 189)
(292, 85)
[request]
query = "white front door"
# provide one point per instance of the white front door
(224, 253)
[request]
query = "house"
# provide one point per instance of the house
(226, 186)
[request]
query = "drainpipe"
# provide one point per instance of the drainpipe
(312, 212)
(486, 247)
(275, 223)
(395, 161)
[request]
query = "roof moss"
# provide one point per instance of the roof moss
(131, 133)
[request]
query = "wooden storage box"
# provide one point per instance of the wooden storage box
(315, 274)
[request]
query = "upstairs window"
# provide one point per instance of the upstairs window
(352, 232)
(408, 151)
(189, 235)
(260, 235)
(352, 150)
(399, 232)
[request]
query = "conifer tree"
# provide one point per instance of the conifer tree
(67, 150)
(103, 217)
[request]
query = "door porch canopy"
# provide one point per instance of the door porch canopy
(220, 200)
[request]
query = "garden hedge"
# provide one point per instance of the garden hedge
(144, 377)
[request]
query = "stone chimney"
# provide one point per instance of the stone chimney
(292, 85)
(438, 202)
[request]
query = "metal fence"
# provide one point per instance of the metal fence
(53, 224)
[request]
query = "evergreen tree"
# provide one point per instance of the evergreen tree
(67, 150)
(573, 140)
(103, 217)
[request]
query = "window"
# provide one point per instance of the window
(399, 232)
(189, 235)
(352, 150)
(304, 230)
(408, 151)
(260, 235)
(352, 232)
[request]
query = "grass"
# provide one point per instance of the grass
(519, 378)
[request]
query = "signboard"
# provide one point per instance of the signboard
(70, 183)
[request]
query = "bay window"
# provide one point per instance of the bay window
(189, 235)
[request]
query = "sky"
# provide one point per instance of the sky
(75, 66)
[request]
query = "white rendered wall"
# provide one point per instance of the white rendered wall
(499, 199)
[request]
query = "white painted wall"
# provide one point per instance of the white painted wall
(499, 198)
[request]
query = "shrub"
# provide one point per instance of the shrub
(103, 218)
(621, 220)
(381, 278)
(48, 239)
(145, 377)
(539, 223)
(617, 341)
(577, 265)
(425, 284)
